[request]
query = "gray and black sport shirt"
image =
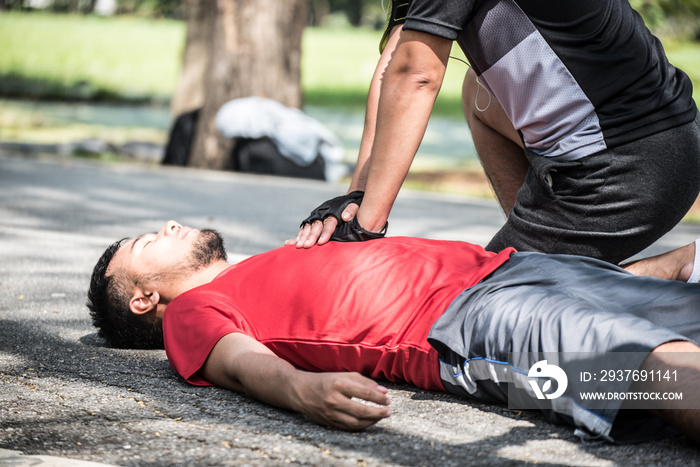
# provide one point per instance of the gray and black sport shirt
(574, 76)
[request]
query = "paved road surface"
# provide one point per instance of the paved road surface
(63, 394)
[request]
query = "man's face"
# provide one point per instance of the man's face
(171, 253)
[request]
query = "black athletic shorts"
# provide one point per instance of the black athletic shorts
(609, 205)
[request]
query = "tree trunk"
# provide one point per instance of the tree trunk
(320, 9)
(200, 16)
(254, 50)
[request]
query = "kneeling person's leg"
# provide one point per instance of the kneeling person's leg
(497, 143)
(609, 205)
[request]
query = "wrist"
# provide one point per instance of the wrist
(355, 187)
(369, 224)
(297, 382)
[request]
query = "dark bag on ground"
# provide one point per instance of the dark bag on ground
(258, 156)
(177, 152)
(261, 156)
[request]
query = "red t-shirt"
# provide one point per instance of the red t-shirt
(365, 307)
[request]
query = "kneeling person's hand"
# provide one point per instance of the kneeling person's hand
(334, 220)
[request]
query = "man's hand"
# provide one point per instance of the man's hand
(333, 399)
(322, 222)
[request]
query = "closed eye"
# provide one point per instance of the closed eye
(142, 243)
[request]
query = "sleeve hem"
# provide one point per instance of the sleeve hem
(440, 30)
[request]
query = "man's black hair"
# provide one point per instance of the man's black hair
(108, 301)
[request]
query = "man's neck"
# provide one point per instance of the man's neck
(197, 278)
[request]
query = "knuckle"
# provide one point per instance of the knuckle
(356, 425)
(340, 385)
(363, 411)
(329, 401)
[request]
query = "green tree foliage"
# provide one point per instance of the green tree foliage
(146, 8)
(351, 12)
(679, 18)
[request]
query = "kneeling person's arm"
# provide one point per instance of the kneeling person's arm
(241, 363)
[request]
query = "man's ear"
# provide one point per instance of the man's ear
(143, 302)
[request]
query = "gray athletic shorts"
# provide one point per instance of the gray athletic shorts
(537, 306)
(610, 205)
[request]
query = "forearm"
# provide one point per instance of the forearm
(242, 364)
(263, 377)
(409, 89)
(359, 178)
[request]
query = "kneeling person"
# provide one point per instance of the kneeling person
(442, 315)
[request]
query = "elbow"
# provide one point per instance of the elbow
(419, 62)
(416, 79)
(424, 80)
(415, 74)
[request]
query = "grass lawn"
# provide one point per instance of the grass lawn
(129, 58)
(686, 55)
(89, 57)
(65, 56)
(337, 66)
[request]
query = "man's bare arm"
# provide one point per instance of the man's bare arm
(320, 232)
(409, 76)
(240, 363)
(411, 83)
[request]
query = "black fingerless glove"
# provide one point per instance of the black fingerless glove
(345, 231)
(353, 232)
(334, 207)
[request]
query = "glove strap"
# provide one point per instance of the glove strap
(353, 232)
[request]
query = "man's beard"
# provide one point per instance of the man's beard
(208, 248)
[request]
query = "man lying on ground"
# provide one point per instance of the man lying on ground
(306, 329)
